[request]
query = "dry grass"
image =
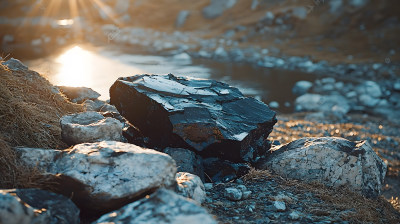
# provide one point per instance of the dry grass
(255, 174)
(29, 116)
(361, 209)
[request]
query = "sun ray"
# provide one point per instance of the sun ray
(105, 9)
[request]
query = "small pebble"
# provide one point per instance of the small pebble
(279, 206)
(294, 215)
(233, 194)
(208, 186)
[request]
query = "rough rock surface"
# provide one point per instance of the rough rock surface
(190, 186)
(14, 64)
(28, 206)
(79, 94)
(223, 170)
(163, 206)
(103, 176)
(89, 127)
(332, 161)
(187, 161)
(204, 115)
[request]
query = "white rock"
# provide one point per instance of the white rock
(163, 206)
(332, 161)
(368, 100)
(315, 102)
(36, 42)
(89, 127)
(233, 194)
(14, 64)
(301, 87)
(279, 206)
(102, 175)
(183, 58)
(181, 18)
(396, 85)
(294, 215)
(369, 88)
(8, 38)
(220, 52)
(274, 104)
(190, 186)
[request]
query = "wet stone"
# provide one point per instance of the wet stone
(206, 116)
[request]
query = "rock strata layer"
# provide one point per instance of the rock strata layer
(206, 116)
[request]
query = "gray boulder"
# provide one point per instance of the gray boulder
(103, 176)
(79, 94)
(301, 87)
(332, 161)
(335, 104)
(89, 127)
(181, 18)
(217, 7)
(36, 206)
(163, 206)
(206, 116)
(190, 186)
(187, 161)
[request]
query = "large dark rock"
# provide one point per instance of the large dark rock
(206, 116)
(36, 206)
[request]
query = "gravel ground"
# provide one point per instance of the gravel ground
(314, 203)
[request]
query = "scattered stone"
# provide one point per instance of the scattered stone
(201, 115)
(294, 215)
(190, 186)
(181, 18)
(14, 64)
(28, 206)
(314, 102)
(332, 161)
(187, 161)
(103, 176)
(89, 127)
(279, 206)
(273, 105)
(183, 58)
(79, 94)
(223, 170)
(163, 206)
(220, 52)
(217, 7)
(301, 87)
(233, 194)
(208, 186)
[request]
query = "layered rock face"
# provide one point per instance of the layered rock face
(332, 161)
(206, 116)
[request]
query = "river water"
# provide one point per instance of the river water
(98, 68)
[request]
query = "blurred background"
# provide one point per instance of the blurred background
(264, 47)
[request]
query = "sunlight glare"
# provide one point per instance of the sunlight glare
(76, 68)
(65, 22)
